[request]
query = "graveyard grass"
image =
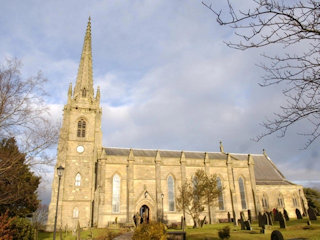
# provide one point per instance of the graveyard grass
(295, 229)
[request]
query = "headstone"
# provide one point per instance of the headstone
(265, 219)
(276, 235)
(276, 215)
(269, 215)
(242, 220)
(285, 214)
(249, 215)
(229, 217)
(312, 214)
(247, 225)
(298, 213)
(309, 223)
(260, 221)
(282, 221)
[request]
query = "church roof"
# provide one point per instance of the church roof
(266, 173)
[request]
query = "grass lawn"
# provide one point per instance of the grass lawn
(295, 229)
(85, 234)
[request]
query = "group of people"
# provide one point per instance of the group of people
(138, 219)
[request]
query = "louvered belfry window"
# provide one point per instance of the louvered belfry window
(81, 132)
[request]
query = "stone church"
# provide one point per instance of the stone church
(100, 184)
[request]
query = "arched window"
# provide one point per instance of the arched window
(264, 200)
(295, 201)
(81, 128)
(242, 194)
(171, 193)
(280, 201)
(220, 197)
(84, 92)
(78, 180)
(75, 213)
(116, 194)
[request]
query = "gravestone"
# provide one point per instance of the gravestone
(249, 215)
(285, 214)
(229, 217)
(260, 219)
(242, 220)
(276, 235)
(312, 214)
(309, 223)
(282, 221)
(265, 219)
(269, 214)
(298, 213)
(276, 215)
(248, 225)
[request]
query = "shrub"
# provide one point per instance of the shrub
(152, 230)
(6, 233)
(23, 229)
(224, 233)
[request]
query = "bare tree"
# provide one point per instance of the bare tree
(24, 114)
(201, 190)
(294, 25)
(39, 219)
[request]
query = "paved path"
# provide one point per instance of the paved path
(126, 236)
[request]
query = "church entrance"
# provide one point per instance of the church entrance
(144, 213)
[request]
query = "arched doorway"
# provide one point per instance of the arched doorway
(144, 213)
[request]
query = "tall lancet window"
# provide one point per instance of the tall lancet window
(116, 194)
(171, 193)
(220, 197)
(242, 194)
(78, 180)
(81, 128)
(84, 92)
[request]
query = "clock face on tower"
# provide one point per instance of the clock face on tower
(80, 149)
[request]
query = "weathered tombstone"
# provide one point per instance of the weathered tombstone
(249, 215)
(312, 214)
(229, 217)
(276, 215)
(276, 235)
(247, 225)
(269, 215)
(282, 221)
(242, 220)
(260, 221)
(265, 219)
(285, 214)
(298, 213)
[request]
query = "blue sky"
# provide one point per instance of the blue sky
(167, 79)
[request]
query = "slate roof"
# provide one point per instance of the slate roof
(266, 173)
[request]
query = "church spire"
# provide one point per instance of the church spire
(84, 84)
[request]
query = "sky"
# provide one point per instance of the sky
(167, 79)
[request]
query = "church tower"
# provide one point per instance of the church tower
(78, 149)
